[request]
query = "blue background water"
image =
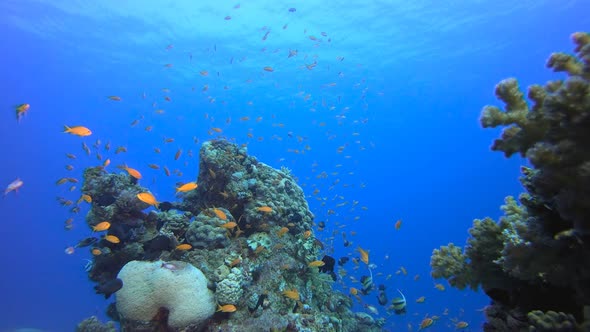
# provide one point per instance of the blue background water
(413, 80)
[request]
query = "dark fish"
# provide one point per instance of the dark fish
(259, 303)
(346, 243)
(166, 206)
(109, 287)
(328, 266)
(292, 10)
(343, 260)
(86, 242)
(154, 247)
(382, 298)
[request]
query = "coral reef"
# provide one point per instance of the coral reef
(206, 231)
(229, 178)
(535, 262)
(246, 227)
(92, 324)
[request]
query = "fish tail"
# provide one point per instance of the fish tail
(67, 129)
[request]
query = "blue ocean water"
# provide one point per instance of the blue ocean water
(378, 111)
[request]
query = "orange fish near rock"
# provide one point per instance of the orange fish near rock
(187, 187)
(265, 209)
(112, 239)
(229, 225)
(14, 186)
(183, 247)
(148, 198)
(316, 264)
(282, 231)
(78, 131)
(101, 226)
(220, 214)
(226, 308)
(133, 172)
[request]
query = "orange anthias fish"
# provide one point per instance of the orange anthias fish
(226, 308)
(78, 131)
(229, 225)
(187, 187)
(21, 110)
(364, 255)
(398, 225)
(112, 239)
(101, 226)
(266, 209)
(282, 231)
(148, 198)
(13, 186)
(133, 172)
(183, 247)
(220, 214)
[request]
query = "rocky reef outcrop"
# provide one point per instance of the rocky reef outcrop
(247, 227)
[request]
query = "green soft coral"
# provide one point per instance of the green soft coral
(450, 263)
(537, 255)
(477, 264)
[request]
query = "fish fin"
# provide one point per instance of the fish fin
(66, 129)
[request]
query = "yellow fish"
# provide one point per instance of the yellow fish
(187, 187)
(426, 322)
(148, 198)
(229, 225)
(364, 255)
(101, 226)
(21, 110)
(78, 131)
(292, 294)
(316, 264)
